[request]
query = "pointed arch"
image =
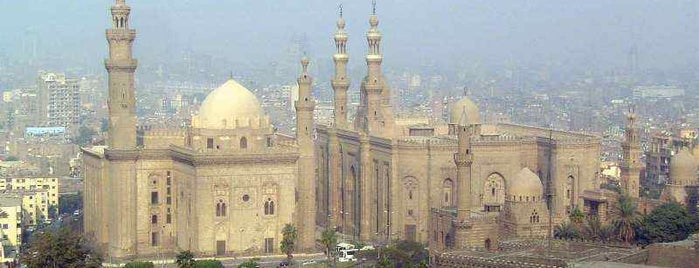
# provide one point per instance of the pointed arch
(494, 189)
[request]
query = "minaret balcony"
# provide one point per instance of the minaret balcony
(122, 64)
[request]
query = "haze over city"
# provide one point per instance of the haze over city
(389, 133)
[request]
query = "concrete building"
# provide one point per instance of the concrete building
(59, 100)
(10, 227)
(225, 184)
(48, 184)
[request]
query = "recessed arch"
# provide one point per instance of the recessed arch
(447, 192)
(494, 189)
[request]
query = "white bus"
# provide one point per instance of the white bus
(345, 252)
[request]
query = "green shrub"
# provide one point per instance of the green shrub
(208, 264)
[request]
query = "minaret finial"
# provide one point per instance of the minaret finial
(373, 7)
(340, 10)
(230, 76)
(304, 63)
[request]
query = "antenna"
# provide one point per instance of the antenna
(340, 7)
(373, 7)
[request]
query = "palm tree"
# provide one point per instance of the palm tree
(627, 218)
(185, 259)
(328, 239)
(592, 228)
(565, 230)
(288, 243)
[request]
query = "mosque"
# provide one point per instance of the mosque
(228, 182)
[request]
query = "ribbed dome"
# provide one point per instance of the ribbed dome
(464, 112)
(227, 104)
(683, 168)
(525, 184)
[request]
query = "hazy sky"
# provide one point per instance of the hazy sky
(588, 33)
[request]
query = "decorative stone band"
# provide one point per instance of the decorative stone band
(205, 158)
(121, 34)
(340, 84)
(463, 160)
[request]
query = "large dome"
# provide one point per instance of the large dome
(229, 106)
(683, 168)
(464, 112)
(526, 185)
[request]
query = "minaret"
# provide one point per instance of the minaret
(374, 113)
(121, 67)
(463, 160)
(340, 83)
(305, 189)
(631, 153)
(121, 154)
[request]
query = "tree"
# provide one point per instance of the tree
(59, 248)
(252, 263)
(566, 230)
(67, 204)
(139, 264)
(11, 158)
(84, 136)
(627, 219)
(185, 259)
(288, 243)
(666, 223)
(404, 254)
(328, 239)
(576, 216)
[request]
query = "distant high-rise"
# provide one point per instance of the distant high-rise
(59, 100)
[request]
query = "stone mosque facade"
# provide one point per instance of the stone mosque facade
(228, 183)
(469, 186)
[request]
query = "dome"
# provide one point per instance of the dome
(525, 184)
(683, 168)
(464, 112)
(696, 155)
(227, 104)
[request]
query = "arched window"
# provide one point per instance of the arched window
(269, 207)
(534, 218)
(220, 208)
(243, 143)
(447, 188)
(154, 219)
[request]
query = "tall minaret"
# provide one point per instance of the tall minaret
(306, 206)
(340, 83)
(122, 222)
(631, 153)
(121, 67)
(463, 160)
(374, 114)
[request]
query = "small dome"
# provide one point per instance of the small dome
(525, 184)
(228, 103)
(341, 23)
(683, 168)
(464, 112)
(374, 21)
